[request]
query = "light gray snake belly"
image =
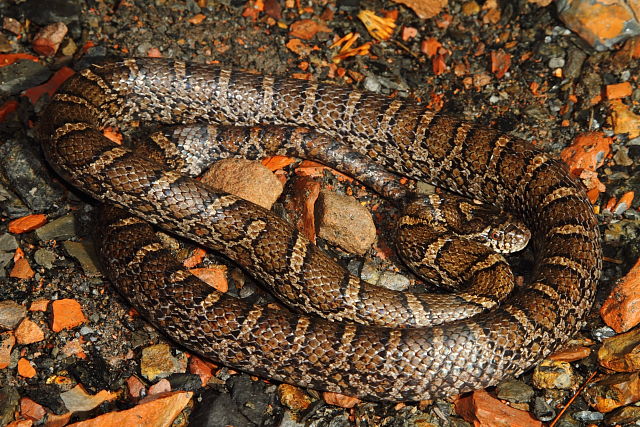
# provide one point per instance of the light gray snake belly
(410, 359)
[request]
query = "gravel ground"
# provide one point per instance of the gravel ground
(112, 339)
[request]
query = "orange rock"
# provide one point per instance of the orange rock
(341, 400)
(482, 409)
(500, 63)
(39, 305)
(424, 9)
(302, 206)
(624, 120)
(430, 46)
(196, 258)
(601, 23)
(31, 410)
(587, 152)
(620, 90)
(197, 19)
(624, 203)
(25, 369)
(27, 223)
(215, 276)
(306, 29)
(21, 269)
(67, 314)
(7, 341)
(621, 310)
(202, 368)
(28, 332)
(274, 163)
(20, 423)
(157, 410)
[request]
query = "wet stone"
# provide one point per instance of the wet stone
(27, 174)
(62, 228)
(514, 391)
(8, 242)
(11, 314)
(45, 257)
(22, 75)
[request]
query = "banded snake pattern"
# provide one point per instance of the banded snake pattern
(390, 360)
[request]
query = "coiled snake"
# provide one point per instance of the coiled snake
(384, 362)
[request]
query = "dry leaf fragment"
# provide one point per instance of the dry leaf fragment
(379, 28)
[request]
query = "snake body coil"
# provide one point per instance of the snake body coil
(373, 362)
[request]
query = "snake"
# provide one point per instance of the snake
(415, 358)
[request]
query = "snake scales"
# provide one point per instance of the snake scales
(373, 362)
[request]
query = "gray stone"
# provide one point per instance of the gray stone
(8, 242)
(62, 228)
(11, 313)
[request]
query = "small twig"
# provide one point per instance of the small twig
(575, 395)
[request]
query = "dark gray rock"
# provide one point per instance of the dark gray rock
(22, 75)
(28, 176)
